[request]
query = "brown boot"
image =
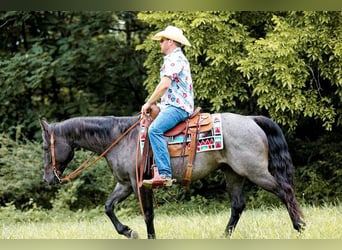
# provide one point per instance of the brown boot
(158, 182)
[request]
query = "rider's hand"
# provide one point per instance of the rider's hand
(145, 108)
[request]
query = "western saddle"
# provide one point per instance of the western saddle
(196, 123)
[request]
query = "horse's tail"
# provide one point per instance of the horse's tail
(280, 164)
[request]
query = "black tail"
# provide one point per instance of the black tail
(280, 162)
(281, 167)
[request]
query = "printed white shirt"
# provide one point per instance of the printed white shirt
(180, 92)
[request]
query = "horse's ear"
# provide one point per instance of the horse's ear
(44, 125)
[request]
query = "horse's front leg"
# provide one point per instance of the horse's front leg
(146, 200)
(120, 193)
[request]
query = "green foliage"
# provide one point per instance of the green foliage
(58, 65)
(295, 70)
(21, 174)
(318, 171)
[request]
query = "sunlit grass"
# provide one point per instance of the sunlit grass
(322, 223)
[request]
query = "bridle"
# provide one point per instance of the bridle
(85, 165)
(56, 171)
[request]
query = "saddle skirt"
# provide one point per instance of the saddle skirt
(209, 135)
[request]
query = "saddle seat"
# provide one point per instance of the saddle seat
(196, 120)
(204, 122)
(196, 123)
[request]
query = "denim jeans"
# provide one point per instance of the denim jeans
(167, 119)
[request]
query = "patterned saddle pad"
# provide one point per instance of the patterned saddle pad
(211, 139)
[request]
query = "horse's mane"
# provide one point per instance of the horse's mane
(99, 128)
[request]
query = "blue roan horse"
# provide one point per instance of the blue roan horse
(254, 148)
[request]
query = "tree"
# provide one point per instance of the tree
(62, 64)
(295, 70)
(287, 64)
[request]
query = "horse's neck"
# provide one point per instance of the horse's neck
(98, 133)
(94, 145)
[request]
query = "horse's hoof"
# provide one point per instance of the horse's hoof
(134, 235)
(301, 227)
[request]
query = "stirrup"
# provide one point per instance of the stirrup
(157, 180)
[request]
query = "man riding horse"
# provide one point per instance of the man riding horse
(177, 100)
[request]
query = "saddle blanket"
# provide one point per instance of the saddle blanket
(207, 140)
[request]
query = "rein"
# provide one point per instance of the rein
(85, 165)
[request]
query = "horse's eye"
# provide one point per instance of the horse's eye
(45, 148)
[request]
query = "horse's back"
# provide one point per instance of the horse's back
(245, 144)
(240, 128)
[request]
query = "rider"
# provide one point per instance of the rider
(177, 99)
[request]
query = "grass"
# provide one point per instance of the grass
(322, 223)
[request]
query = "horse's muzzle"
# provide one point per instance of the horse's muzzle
(51, 179)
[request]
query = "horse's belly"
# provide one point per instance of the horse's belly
(204, 164)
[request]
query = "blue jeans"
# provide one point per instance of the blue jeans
(167, 119)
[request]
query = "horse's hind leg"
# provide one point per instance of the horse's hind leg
(285, 192)
(120, 193)
(234, 184)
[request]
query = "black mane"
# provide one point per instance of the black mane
(94, 128)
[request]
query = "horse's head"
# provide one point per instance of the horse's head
(58, 152)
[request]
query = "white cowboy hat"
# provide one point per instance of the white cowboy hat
(173, 33)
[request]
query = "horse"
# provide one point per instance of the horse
(254, 148)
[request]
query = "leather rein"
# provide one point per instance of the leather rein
(85, 165)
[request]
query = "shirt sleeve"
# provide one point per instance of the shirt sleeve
(172, 68)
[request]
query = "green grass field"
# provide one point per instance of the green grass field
(322, 223)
